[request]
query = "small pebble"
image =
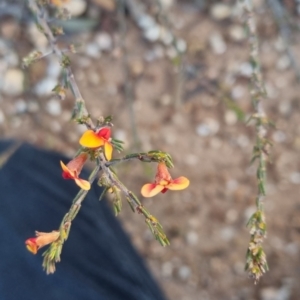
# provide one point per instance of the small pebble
(104, 41)
(54, 107)
(166, 4)
(184, 273)
(220, 11)
(20, 106)
(283, 63)
(217, 43)
(92, 50)
(192, 238)
(167, 269)
(75, 7)
(13, 82)
(246, 69)
(227, 233)
(45, 86)
(146, 22)
(285, 108)
(237, 33)
(152, 34)
(279, 136)
(181, 45)
(295, 178)
(38, 39)
(208, 127)
(243, 141)
(230, 117)
(166, 36)
(53, 68)
(237, 92)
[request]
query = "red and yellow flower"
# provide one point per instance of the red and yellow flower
(93, 140)
(42, 239)
(163, 182)
(73, 169)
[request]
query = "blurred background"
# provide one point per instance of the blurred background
(175, 76)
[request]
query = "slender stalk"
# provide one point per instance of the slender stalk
(80, 110)
(256, 264)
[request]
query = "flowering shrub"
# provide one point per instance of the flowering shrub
(97, 145)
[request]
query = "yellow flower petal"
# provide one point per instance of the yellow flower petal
(108, 149)
(31, 246)
(179, 183)
(151, 189)
(66, 169)
(83, 184)
(91, 140)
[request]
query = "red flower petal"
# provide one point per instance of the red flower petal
(31, 245)
(179, 183)
(151, 189)
(104, 133)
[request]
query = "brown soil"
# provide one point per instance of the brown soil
(205, 223)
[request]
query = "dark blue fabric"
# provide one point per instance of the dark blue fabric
(98, 260)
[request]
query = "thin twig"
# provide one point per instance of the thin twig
(80, 106)
(256, 264)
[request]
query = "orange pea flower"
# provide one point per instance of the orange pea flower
(163, 182)
(42, 239)
(73, 169)
(94, 140)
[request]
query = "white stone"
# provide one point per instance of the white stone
(227, 233)
(37, 37)
(283, 62)
(93, 50)
(181, 45)
(54, 107)
(104, 41)
(152, 34)
(146, 22)
(295, 178)
(54, 68)
(192, 238)
(208, 127)
(75, 7)
(184, 273)
(13, 82)
(167, 269)
(166, 36)
(20, 106)
(230, 117)
(220, 11)
(246, 69)
(237, 92)
(217, 43)
(45, 86)
(237, 33)
(279, 136)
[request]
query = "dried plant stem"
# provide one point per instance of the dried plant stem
(135, 204)
(256, 264)
(80, 110)
(52, 254)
